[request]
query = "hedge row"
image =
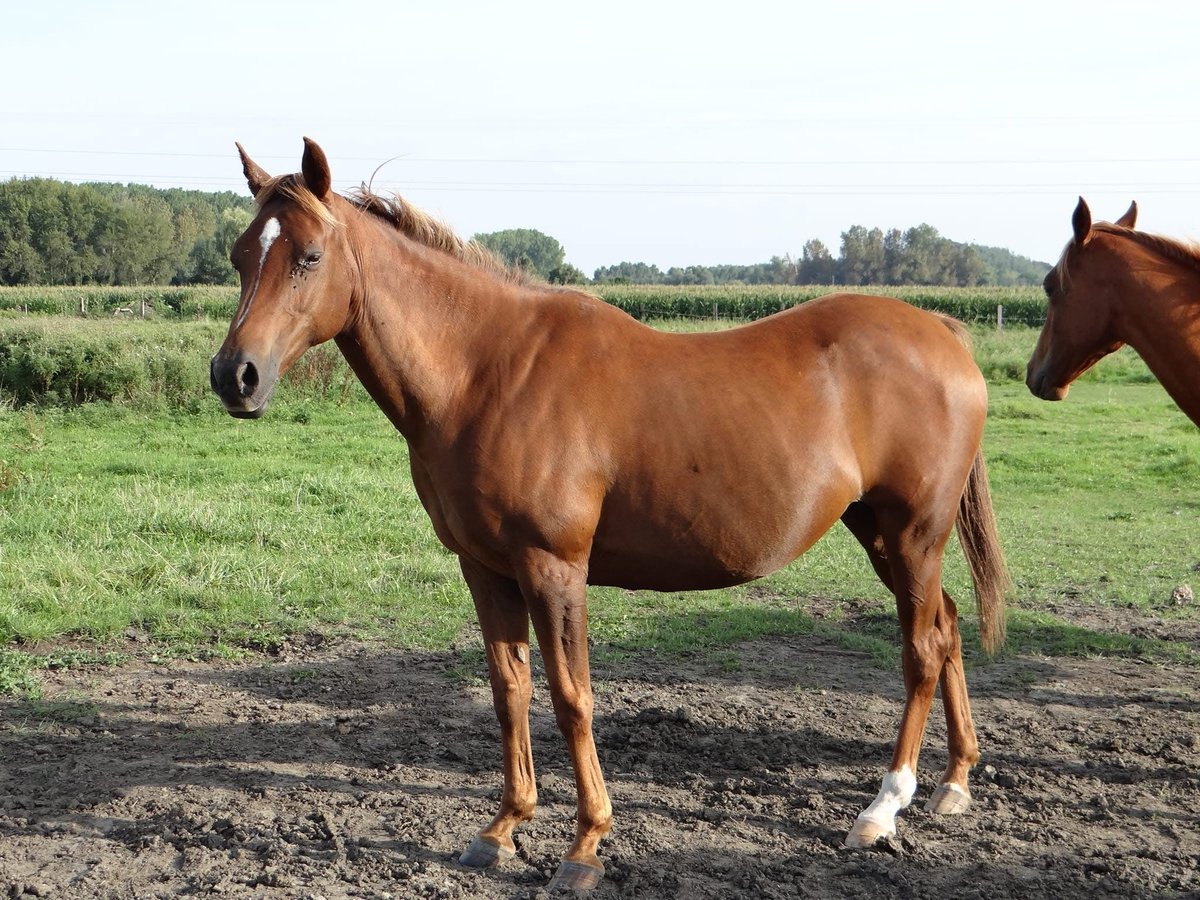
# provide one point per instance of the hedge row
(71, 361)
(116, 302)
(1023, 306)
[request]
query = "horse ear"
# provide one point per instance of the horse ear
(1081, 221)
(316, 169)
(1130, 218)
(256, 175)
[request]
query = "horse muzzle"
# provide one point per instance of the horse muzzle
(244, 385)
(1039, 386)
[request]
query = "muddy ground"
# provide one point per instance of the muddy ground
(353, 771)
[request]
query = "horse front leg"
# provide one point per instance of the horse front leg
(556, 593)
(504, 620)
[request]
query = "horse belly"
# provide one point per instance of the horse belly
(717, 536)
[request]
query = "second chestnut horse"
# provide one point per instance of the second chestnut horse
(1115, 286)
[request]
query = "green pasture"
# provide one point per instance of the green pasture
(152, 520)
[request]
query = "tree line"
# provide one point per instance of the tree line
(55, 232)
(917, 256)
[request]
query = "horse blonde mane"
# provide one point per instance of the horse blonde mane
(410, 221)
(420, 226)
(292, 187)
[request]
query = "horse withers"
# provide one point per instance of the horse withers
(555, 443)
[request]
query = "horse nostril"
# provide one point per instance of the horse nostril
(247, 379)
(212, 375)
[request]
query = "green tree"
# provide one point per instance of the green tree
(1003, 267)
(688, 275)
(628, 273)
(895, 257)
(20, 263)
(782, 270)
(927, 259)
(208, 261)
(968, 266)
(525, 248)
(566, 274)
(817, 265)
(862, 256)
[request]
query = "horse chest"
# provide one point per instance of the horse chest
(478, 519)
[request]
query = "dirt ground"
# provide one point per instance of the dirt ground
(350, 771)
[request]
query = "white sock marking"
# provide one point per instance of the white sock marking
(896, 793)
(265, 239)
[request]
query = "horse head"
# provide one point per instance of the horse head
(297, 274)
(1079, 312)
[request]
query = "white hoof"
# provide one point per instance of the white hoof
(878, 821)
(868, 832)
(948, 800)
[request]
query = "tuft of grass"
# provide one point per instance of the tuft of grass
(18, 669)
(1042, 633)
(17, 674)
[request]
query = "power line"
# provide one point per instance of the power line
(695, 188)
(467, 160)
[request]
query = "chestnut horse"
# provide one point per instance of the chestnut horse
(1115, 286)
(555, 442)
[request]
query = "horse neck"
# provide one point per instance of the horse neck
(424, 324)
(1159, 316)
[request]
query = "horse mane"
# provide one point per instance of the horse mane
(425, 229)
(292, 187)
(1186, 253)
(410, 221)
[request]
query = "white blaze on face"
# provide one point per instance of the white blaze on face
(265, 239)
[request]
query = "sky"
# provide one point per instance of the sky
(661, 132)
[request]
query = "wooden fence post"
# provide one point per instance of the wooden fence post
(999, 317)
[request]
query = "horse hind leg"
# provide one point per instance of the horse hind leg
(953, 796)
(908, 557)
(504, 620)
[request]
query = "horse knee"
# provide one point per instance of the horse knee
(574, 714)
(511, 702)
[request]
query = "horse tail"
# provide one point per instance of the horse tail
(976, 526)
(958, 329)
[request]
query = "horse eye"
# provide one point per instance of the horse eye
(311, 258)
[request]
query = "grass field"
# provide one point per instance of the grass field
(202, 534)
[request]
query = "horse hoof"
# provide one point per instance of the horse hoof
(576, 876)
(866, 833)
(948, 800)
(485, 854)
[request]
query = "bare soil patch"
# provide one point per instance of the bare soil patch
(352, 771)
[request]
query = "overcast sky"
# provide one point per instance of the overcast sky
(670, 133)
